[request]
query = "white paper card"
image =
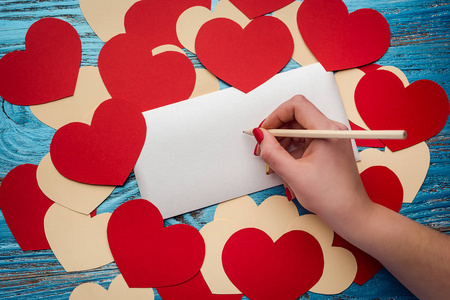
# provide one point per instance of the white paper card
(195, 154)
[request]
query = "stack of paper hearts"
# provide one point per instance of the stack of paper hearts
(97, 111)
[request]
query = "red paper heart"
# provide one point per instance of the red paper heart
(367, 265)
(105, 152)
(369, 68)
(155, 20)
(149, 254)
(24, 206)
(262, 269)
(244, 58)
(382, 187)
(47, 70)
(193, 289)
(383, 102)
(256, 8)
(340, 40)
(364, 142)
(131, 72)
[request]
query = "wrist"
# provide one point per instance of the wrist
(351, 217)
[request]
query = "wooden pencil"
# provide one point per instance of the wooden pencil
(337, 134)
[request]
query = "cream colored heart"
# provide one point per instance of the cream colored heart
(216, 234)
(89, 93)
(118, 290)
(205, 83)
(410, 165)
(288, 15)
(347, 81)
(106, 17)
(167, 48)
(192, 19)
(272, 216)
(78, 241)
(339, 264)
(80, 197)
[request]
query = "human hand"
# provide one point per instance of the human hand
(321, 173)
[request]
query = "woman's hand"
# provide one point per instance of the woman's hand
(321, 173)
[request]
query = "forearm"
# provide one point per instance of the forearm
(417, 256)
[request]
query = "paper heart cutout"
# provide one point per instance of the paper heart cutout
(382, 187)
(256, 8)
(340, 40)
(118, 290)
(131, 72)
(80, 197)
(347, 81)
(106, 17)
(364, 142)
(89, 93)
(205, 83)
(105, 152)
(288, 15)
(244, 58)
(262, 269)
(272, 216)
(410, 165)
(149, 254)
(47, 70)
(24, 206)
(155, 21)
(192, 19)
(216, 234)
(339, 264)
(78, 241)
(367, 265)
(421, 108)
(193, 289)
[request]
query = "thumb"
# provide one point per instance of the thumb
(273, 154)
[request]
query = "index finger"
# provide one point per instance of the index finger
(301, 110)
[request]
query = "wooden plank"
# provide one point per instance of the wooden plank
(419, 47)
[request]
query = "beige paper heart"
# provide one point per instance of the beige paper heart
(347, 80)
(167, 48)
(118, 290)
(288, 15)
(89, 93)
(80, 197)
(410, 165)
(339, 264)
(106, 17)
(216, 234)
(205, 83)
(272, 216)
(78, 241)
(192, 19)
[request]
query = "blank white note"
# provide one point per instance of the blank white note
(196, 155)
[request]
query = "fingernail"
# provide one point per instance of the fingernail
(258, 134)
(288, 194)
(255, 152)
(259, 126)
(267, 169)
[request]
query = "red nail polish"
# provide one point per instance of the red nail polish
(258, 134)
(259, 126)
(288, 194)
(256, 149)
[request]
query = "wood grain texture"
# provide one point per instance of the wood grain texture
(420, 47)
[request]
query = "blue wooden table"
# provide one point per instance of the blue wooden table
(420, 47)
